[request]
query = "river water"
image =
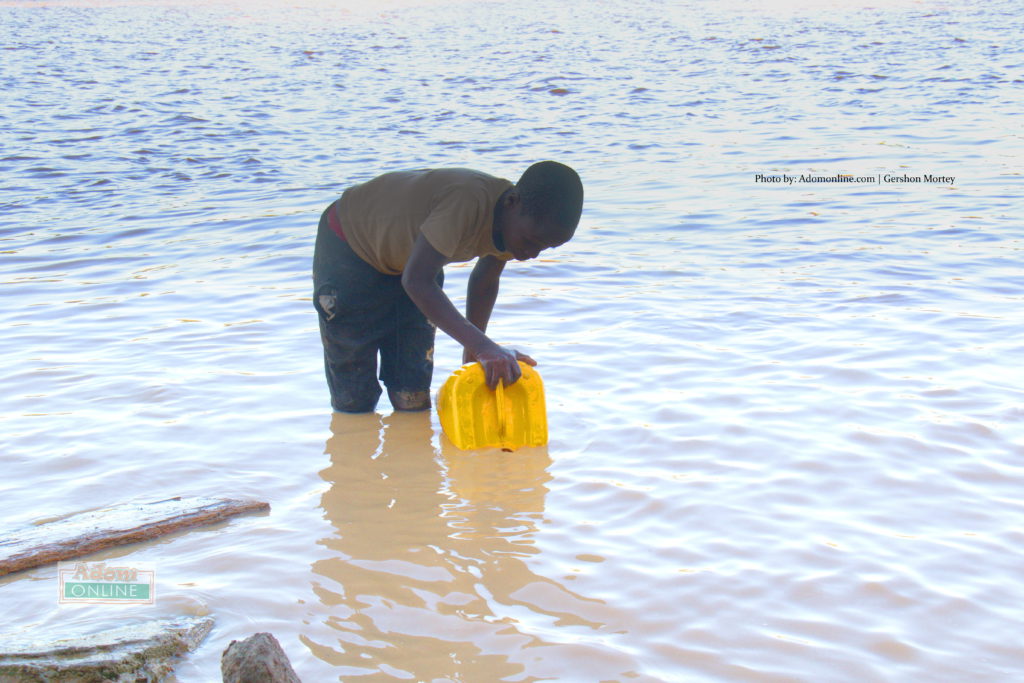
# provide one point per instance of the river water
(786, 418)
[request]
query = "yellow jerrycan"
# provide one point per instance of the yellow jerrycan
(508, 417)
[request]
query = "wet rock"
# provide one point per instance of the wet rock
(257, 659)
(137, 653)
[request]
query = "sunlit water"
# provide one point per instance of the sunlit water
(786, 420)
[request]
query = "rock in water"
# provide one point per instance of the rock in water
(142, 652)
(257, 659)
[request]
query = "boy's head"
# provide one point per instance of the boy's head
(541, 211)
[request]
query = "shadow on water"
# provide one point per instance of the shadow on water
(429, 570)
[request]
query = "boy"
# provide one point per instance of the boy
(378, 270)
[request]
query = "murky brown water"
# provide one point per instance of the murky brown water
(786, 419)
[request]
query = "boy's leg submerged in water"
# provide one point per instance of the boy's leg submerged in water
(350, 359)
(407, 355)
(348, 296)
(362, 311)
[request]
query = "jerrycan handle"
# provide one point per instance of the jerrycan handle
(499, 394)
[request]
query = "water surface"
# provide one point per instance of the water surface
(786, 420)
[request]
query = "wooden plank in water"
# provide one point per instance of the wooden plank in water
(82, 533)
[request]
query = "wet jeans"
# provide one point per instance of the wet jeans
(364, 312)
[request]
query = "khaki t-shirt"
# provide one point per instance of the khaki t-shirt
(452, 207)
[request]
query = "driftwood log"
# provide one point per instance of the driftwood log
(257, 659)
(86, 532)
(137, 652)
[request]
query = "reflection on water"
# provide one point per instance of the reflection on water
(429, 573)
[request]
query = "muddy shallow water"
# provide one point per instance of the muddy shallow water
(786, 418)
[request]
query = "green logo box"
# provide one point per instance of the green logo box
(97, 582)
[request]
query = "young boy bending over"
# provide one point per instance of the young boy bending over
(378, 270)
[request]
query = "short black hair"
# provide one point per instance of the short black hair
(552, 194)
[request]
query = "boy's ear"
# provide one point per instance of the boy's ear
(513, 197)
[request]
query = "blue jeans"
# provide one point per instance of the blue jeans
(364, 312)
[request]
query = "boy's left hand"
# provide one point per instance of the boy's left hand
(468, 357)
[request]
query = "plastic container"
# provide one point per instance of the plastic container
(509, 417)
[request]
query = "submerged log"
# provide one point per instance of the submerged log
(127, 654)
(257, 659)
(86, 532)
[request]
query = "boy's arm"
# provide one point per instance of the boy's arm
(481, 294)
(419, 283)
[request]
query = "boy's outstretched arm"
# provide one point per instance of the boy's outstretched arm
(481, 294)
(418, 281)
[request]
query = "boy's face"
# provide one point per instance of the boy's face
(524, 236)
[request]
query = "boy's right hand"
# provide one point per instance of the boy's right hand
(500, 363)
